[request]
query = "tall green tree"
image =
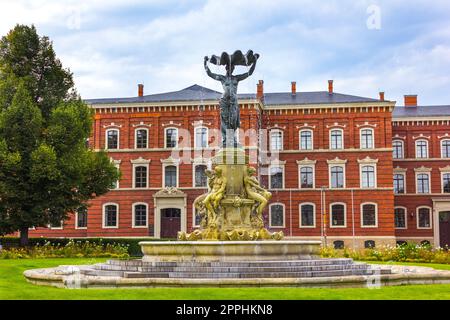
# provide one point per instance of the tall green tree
(46, 169)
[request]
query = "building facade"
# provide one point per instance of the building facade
(347, 170)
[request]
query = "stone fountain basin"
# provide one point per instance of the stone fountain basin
(205, 251)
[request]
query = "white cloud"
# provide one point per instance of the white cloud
(117, 46)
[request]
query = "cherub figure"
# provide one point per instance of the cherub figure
(256, 192)
(212, 200)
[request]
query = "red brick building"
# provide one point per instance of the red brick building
(326, 157)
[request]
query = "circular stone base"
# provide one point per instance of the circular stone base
(229, 250)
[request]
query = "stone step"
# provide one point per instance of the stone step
(139, 263)
(335, 273)
(270, 267)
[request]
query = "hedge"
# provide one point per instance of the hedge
(133, 247)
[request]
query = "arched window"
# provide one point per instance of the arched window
(446, 182)
(399, 183)
(369, 215)
(306, 177)
(112, 139)
(423, 182)
(276, 177)
(276, 140)
(276, 216)
(81, 218)
(337, 177)
(140, 215)
(338, 215)
(336, 139)
(421, 149)
(445, 148)
(400, 218)
(170, 176)
(110, 215)
(306, 140)
(307, 215)
(366, 138)
(141, 138)
(368, 176)
(140, 176)
(398, 149)
(171, 138)
(201, 137)
(201, 180)
(423, 218)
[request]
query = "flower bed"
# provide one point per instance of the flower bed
(403, 253)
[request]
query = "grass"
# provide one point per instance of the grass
(14, 286)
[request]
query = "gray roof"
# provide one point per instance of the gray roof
(199, 93)
(421, 111)
(316, 97)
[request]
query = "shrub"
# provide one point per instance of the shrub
(132, 243)
(408, 252)
(72, 249)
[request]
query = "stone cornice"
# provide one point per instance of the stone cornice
(306, 161)
(140, 160)
(337, 161)
(422, 169)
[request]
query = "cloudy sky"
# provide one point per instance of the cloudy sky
(366, 46)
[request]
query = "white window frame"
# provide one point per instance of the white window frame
(272, 131)
(133, 208)
(361, 165)
(194, 165)
(300, 215)
(406, 217)
(165, 138)
(300, 139)
(106, 138)
(404, 181)
(300, 175)
(104, 215)
(76, 221)
(331, 215)
(193, 218)
(117, 165)
(361, 215)
(442, 181)
(429, 182)
(174, 164)
(276, 165)
(331, 165)
(441, 145)
(342, 139)
(427, 148)
(140, 164)
(135, 138)
(57, 228)
(360, 139)
(284, 215)
(430, 216)
(402, 156)
(195, 137)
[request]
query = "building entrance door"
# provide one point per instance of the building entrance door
(170, 222)
(444, 229)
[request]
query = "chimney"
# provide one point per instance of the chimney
(293, 88)
(330, 86)
(381, 96)
(411, 100)
(140, 90)
(260, 90)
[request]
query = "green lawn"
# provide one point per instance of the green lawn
(14, 286)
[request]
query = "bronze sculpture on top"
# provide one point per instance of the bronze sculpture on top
(232, 209)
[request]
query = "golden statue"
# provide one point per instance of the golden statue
(212, 200)
(256, 192)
